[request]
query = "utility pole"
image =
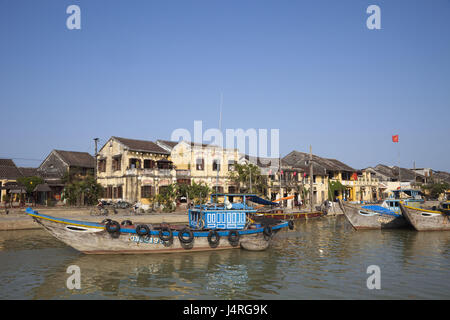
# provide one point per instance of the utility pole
(222, 155)
(281, 194)
(250, 170)
(311, 190)
(95, 156)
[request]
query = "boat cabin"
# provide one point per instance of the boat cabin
(221, 213)
(407, 194)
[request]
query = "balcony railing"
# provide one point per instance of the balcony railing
(149, 172)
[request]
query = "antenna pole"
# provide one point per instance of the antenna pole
(310, 179)
(220, 129)
(95, 156)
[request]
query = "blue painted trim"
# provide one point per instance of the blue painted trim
(86, 223)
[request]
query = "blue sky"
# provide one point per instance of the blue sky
(140, 69)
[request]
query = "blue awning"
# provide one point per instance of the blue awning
(262, 201)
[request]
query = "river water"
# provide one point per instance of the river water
(322, 258)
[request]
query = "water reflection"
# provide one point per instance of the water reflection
(321, 258)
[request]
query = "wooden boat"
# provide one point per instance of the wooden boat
(286, 215)
(224, 229)
(426, 220)
(271, 209)
(375, 218)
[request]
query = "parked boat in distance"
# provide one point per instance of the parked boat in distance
(427, 220)
(272, 209)
(372, 217)
(211, 227)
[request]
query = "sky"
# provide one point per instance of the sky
(312, 69)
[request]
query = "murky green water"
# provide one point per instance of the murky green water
(321, 259)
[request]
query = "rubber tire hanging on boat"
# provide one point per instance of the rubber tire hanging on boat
(213, 234)
(144, 232)
(112, 226)
(267, 231)
(233, 237)
(163, 237)
(291, 225)
(182, 238)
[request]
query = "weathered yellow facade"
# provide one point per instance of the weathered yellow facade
(133, 170)
(205, 164)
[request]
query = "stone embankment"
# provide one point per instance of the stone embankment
(16, 219)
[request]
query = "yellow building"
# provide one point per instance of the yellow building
(333, 179)
(202, 163)
(8, 179)
(132, 170)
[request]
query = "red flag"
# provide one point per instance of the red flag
(354, 176)
(395, 138)
(295, 173)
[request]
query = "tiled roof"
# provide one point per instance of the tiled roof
(172, 144)
(141, 145)
(392, 172)
(8, 169)
(320, 165)
(29, 172)
(77, 159)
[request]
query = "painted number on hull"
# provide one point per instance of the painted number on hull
(145, 239)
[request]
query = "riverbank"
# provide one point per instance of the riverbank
(16, 219)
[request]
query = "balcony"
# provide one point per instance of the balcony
(154, 172)
(183, 173)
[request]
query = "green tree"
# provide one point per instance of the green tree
(249, 178)
(199, 192)
(333, 187)
(81, 190)
(30, 183)
(167, 197)
(435, 189)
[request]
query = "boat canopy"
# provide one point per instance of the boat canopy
(262, 201)
(246, 196)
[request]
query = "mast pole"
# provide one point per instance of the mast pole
(311, 190)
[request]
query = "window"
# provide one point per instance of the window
(149, 164)
(146, 191)
(116, 163)
(117, 192)
(200, 164)
(164, 164)
(134, 163)
(216, 165)
(109, 192)
(101, 167)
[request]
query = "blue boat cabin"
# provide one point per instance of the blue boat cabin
(224, 215)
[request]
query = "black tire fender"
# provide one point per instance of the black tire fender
(291, 225)
(112, 226)
(267, 231)
(181, 235)
(142, 230)
(163, 237)
(213, 234)
(233, 236)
